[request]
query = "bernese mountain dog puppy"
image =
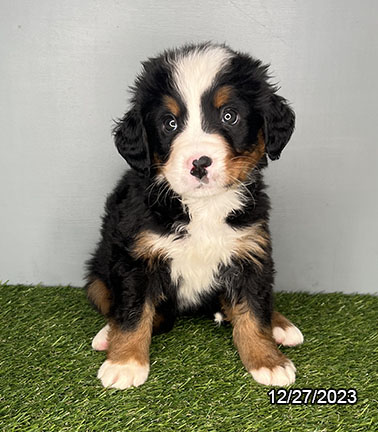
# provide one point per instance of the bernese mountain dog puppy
(186, 230)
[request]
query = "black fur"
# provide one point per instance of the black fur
(279, 124)
(131, 142)
(135, 204)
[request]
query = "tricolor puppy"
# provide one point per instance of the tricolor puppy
(186, 229)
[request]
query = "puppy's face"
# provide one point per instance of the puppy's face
(202, 119)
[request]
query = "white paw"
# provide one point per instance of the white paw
(122, 376)
(100, 341)
(278, 376)
(290, 336)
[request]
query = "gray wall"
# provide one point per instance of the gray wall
(65, 67)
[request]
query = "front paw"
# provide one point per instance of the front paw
(123, 375)
(280, 375)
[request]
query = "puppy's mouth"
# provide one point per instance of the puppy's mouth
(202, 177)
(204, 181)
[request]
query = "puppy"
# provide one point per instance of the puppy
(186, 230)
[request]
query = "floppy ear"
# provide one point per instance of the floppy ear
(131, 141)
(279, 125)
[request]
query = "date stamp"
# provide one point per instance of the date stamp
(307, 396)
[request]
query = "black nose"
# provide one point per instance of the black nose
(199, 167)
(202, 162)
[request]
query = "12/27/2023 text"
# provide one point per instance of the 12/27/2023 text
(307, 396)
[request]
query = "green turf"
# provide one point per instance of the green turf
(197, 382)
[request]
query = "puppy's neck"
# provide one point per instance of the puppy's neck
(214, 207)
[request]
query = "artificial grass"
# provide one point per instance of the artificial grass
(197, 382)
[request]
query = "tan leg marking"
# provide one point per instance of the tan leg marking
(99, 295)
(127, 363)
(284, 331)
(257, 349)
(101, 341)
(158, 321)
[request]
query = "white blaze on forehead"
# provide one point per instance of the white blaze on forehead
(194, 73)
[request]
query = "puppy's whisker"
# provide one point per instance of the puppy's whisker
(244, 186)
(157, 165)
(155, 183)
(240, 157)
(161, 190)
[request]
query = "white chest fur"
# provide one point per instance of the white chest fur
(209, 242)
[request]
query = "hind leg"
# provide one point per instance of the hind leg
(164, 317)
(100, 341)
(99, 295)
(284, 331)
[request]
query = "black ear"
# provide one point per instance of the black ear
(131, 141)
(279, 125)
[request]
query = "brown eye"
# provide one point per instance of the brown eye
(170, 123)
(229, 116)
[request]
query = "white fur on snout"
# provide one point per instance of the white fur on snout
(100, 341)
(178, 175)
(278, 376)
(290, 336)
(122, 376)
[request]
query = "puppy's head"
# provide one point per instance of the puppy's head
(203, 117)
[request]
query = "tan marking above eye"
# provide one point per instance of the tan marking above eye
(222, 96)
(172, 105)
